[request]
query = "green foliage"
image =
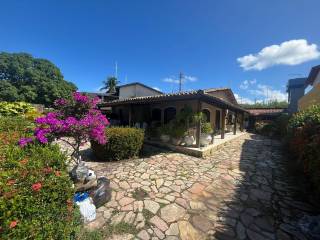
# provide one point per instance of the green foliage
(120, 228)
(15, 108)
(177, 131)
(24, 78)
(206, 128)
(165, 129)
(35, 189)
(18, 125)
(269, 104)
(110, 84)
(122, 143)
(303, 118)
(90, 235)
(304, 141)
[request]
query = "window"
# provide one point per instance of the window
(206, 113)
(169, 114)
(156, 114)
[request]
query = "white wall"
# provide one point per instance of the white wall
(136, 91)
(317, 80)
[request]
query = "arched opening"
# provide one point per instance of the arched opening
(169, 114)
(156, 114)
(206, 114)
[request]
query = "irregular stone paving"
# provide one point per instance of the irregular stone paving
(240, 192)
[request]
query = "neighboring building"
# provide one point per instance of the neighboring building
(104, 97)
(136, 89)
(295, 89)
(130, 90)
(217, 104)
(313, 96)
(263, 114)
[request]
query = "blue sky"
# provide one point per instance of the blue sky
(153, 41)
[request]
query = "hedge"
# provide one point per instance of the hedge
(304, 141)
(122, 143)
(35, 188)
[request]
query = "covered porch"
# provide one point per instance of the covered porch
(225, 118)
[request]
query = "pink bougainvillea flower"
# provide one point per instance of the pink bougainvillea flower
(13, 224)
(24, 141)
(36, 186)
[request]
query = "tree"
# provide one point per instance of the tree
(75, 121)
(34, 80)
(110, 84)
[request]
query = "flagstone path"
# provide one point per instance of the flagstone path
(240, 192)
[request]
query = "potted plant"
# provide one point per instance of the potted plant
(177, 132)
(165, 133)
(206, 134)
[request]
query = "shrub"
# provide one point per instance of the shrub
(122, 143)
(206, 128)
(16, 108)
(304, 142)
(35, 191)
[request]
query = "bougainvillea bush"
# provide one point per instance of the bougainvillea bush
(35, 188)
(304, 143)
(75, 121)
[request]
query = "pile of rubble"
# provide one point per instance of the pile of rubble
(91, 192)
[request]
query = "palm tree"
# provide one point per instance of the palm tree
(110, 84)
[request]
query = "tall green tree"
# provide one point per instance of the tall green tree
(34, 80)
(110, 84)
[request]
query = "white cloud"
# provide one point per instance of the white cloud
(156, 88)
(268, 93)
(190, 78)
(171, 80)
(243, 100)
(246, 84)
(291, 52)
(185, 79)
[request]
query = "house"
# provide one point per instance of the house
(135, 89)
(130, 90)
(313, 95)
(295, 90)
(218, 104)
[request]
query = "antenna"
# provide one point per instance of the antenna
(180, 81)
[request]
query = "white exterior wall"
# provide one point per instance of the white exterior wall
(136, 91)
(317, 80)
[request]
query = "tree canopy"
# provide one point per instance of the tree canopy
(110, 84)
(33, 80)
(269, 104)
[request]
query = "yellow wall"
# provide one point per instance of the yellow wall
(311, 98)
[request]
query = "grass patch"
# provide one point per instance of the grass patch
(162, 205)
(120, 228)
(90, 235)
(147, 216)
(139, 194)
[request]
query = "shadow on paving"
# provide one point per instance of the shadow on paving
(257, 199)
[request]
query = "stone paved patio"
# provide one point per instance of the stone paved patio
(240, 192)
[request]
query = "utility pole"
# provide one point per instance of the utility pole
(180, 81)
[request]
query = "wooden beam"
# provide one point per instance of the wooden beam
(235, 123)
(198, 132)
(223, 123)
